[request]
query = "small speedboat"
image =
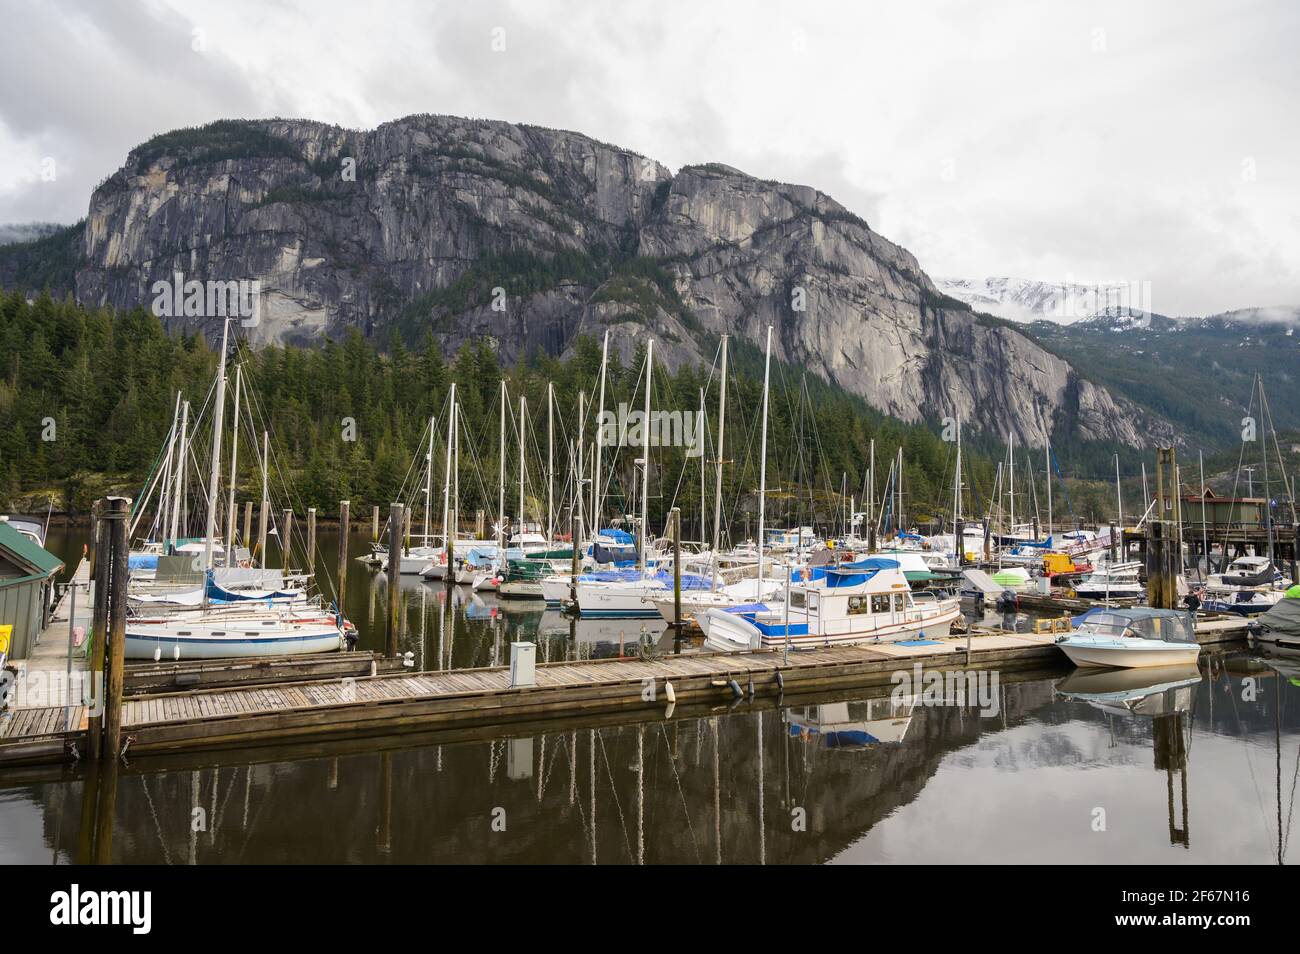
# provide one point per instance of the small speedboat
(1132, 639)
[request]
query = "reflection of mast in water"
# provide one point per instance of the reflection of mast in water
(717, 795)
(591, 737)
(762, 829)
(640, 795)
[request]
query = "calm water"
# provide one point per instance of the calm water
(1176, 767)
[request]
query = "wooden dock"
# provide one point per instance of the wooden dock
(410, 701)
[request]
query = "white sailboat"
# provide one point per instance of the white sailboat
(214, 630)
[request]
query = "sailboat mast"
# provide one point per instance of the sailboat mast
(523, 418)
(597, 491)
(898, 486)
(580, 475)
(699, 443)
(178, 482)
(550, 462)
(956, 487)
(266, 497)
(234, 459)
(428, 481)
(1268, 494)
(717, 487)
(446, 480)
(1011, 480)
(762, 459)
(1205, 534)
(1119, 497)
(1047, 465)
(165, 492)
(214, 472)
(871, 485)
(645, 452)
(501, 477)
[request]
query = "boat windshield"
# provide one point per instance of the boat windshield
(1171, 627)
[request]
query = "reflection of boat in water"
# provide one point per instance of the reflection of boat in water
(1152, 691)
(604, 636)
(851, 725)
(1137, 637)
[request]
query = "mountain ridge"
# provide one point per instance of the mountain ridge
(529, 237)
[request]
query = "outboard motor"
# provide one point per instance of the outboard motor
(1008, 600)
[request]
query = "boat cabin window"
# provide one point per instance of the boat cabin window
(797, 600)
(880, 603)
(859, 604)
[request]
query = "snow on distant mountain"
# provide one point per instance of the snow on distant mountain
(1064, 303)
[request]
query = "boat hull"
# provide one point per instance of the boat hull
(730, 632)
(1109, 657)
(229, 641)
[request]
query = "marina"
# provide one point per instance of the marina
(556, 434)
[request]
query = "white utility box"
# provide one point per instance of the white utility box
(523, 665)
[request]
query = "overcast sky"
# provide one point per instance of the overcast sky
(1129, 142)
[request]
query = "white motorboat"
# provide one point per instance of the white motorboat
(863, 602)
(1246, 573)
(1112, 581)
(1132, 638)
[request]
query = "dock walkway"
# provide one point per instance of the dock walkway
(392, 703)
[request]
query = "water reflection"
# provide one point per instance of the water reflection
(1185, 765)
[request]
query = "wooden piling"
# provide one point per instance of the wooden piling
(959, 541)
(396, 520)
(115, 646)
(677, 568)
(248, 524)
(286, 538)
(105, 808)
(345, 514)
(374, 524)
(99, 634)
(311, 540)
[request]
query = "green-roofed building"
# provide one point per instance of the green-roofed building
(27, 574)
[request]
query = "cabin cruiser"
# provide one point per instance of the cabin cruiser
(1242, 602)
(1245, 573)
(862, 602)
(1112, 581)
(1131, 639)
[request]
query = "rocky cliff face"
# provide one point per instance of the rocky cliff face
(530, 236)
